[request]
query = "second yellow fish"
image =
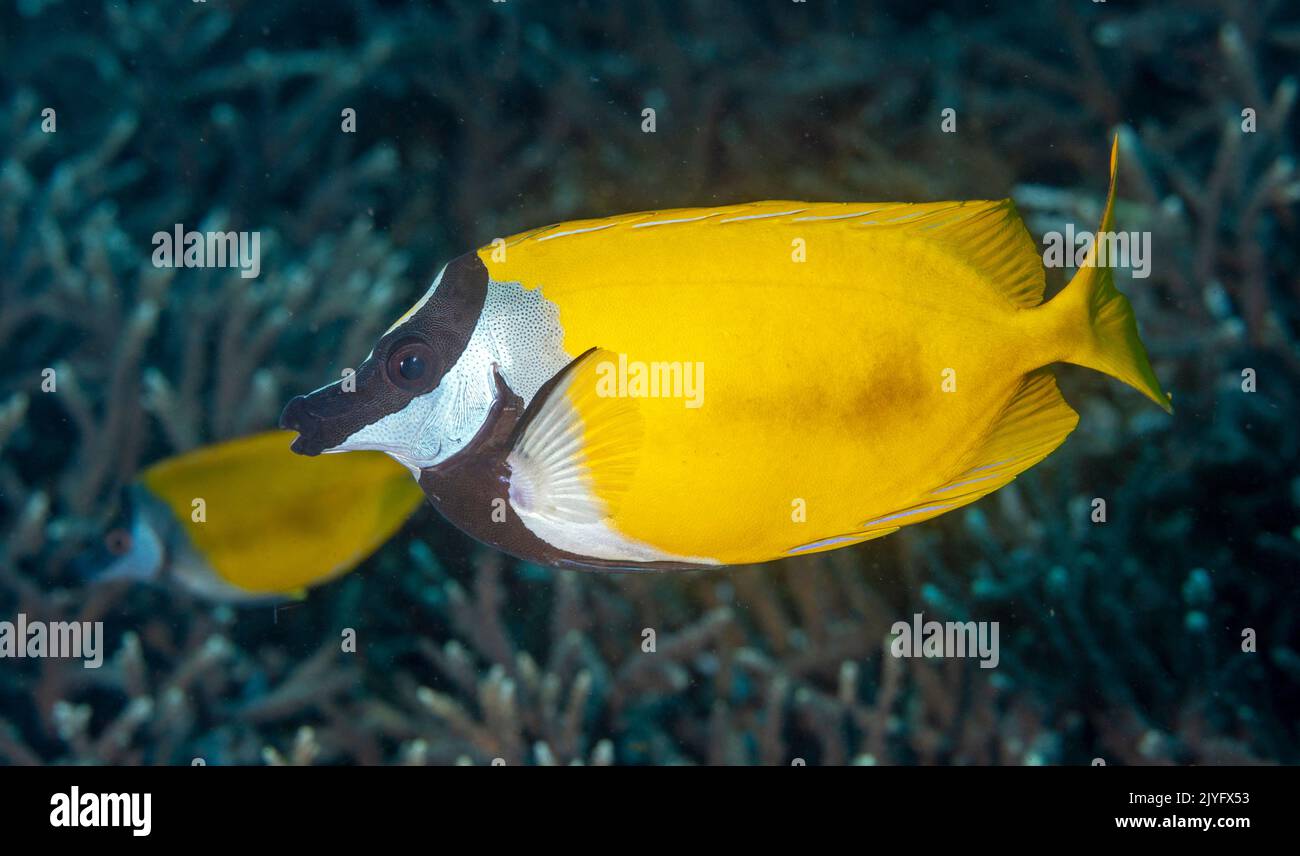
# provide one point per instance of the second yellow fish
(732, 384)
(245, 520)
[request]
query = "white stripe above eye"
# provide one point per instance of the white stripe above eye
(417, 307)
(574, 232)
(763, 216)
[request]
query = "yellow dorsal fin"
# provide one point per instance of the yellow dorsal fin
(986, 235)
(575, 459)
(990, 237)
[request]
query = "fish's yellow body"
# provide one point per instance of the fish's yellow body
(727, 385)
(271, 522)
(856, 367)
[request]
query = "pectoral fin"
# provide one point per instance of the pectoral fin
(578, 448)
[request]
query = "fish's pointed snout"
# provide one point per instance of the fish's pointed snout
(296, 417)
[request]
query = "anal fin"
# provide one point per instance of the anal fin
(1035, 420)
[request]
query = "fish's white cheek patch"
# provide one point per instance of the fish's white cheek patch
(432, 427)
(520, 331)
(398, 434)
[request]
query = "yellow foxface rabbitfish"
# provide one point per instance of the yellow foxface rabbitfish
(725, 385)
(247, 519)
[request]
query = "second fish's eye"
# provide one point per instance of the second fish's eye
(410, 364)
(118, 542)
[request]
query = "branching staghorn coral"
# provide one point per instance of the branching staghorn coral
(1120, 641)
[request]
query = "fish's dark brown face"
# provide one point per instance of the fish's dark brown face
(392, 398)
(326, 418)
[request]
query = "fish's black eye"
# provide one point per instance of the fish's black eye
(118, 542)
(411, 365)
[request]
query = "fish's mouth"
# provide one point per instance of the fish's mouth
(327, 418)
(326, 435)
(297, 416)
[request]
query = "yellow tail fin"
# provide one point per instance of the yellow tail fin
(1100, 326)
